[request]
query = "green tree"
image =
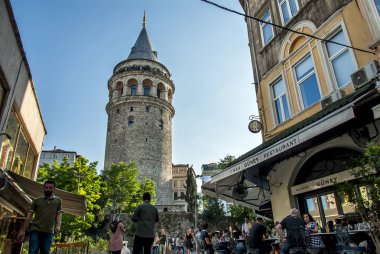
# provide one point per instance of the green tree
(364, 194)
(80, 178)
(213, 211)
(191, 190)
(122, 187)
(225, 162)
(239, 213)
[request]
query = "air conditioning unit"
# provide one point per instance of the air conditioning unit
(331, 98)
(365, 74)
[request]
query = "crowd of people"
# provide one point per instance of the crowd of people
(253, 236)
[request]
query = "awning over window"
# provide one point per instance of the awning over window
(71, 203)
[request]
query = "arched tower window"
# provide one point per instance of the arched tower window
(147, 84)
(132, 84)
(119, 88)
(133, 89)
(160, 90)
(170, 95)
(131, 121)
(161, 124)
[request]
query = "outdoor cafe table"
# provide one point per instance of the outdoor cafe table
(356, 236)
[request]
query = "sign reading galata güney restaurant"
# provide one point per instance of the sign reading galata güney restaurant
(323, 182)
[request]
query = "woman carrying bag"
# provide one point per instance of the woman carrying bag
(117, 236)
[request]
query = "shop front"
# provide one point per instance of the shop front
(300, 167)
(16, 195)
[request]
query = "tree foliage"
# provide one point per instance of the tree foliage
(225, 162)
(191, 190)
(366, 199)
(79, 178)
(213, 211)
(124, 191)
(239, 213)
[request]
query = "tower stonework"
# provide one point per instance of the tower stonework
(140, 116)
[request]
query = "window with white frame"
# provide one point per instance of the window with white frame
(267, 32)
(307, 82)
(340, 58)
(288, 9)
(280, 101)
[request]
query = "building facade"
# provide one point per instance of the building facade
(58, 156)
(140, 114)
(315, 117)
(22, 128)
(180, 174)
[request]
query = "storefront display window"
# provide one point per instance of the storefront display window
(313, 209)
(17, 151)
(12, 130)
(29, 164)
(329, 206)
(346, 206)
(20, 154)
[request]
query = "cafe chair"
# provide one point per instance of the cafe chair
(314, 245)
(296, 239)
(222, 248)
(343, 241)
(254, 251)
(239, 247)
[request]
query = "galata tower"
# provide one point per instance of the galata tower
(140, 116)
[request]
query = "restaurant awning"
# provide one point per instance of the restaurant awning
(256, 198)
(28, 189)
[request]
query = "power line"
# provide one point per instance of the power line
(285, 28)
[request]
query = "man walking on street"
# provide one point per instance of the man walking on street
(47, 211)
(145, 217)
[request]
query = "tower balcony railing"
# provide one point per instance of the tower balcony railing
(145, 98)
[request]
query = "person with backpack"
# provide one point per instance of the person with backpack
(117, 229)
(206, 240)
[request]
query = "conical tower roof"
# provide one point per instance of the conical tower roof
(143, 48)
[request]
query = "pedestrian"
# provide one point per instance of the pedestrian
(295, 228)
(156, 244)
(145, 217)
(47, 211)
(206, 240)
(257, 234)
(163, 242)
(198, 240)
(245, 227)
(117, 236)
(189, 240)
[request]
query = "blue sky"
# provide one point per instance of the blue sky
(72, 47)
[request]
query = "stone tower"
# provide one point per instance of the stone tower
(140, 116)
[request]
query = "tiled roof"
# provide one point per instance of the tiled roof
(143, 48)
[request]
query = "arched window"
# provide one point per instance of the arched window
(160, 90)
(170, 95)
(133, 89)
(146, 90)
(161, 124)
(131, 121)
(147, 84)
